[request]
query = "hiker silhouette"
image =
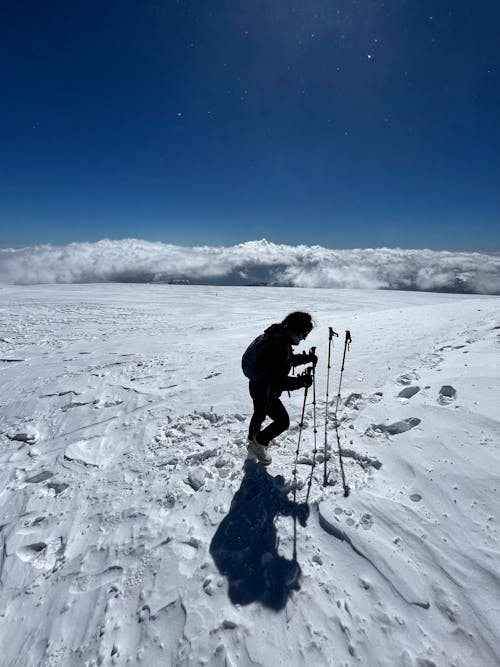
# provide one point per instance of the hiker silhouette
(266, 363)
(244, 547)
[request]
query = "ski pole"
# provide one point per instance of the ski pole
(347, 345)
(301, 426)
(315, 430)
(331, 334)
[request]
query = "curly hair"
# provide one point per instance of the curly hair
(298, 321)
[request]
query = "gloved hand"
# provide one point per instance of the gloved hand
(312, 358)
(302, 513)
(307, 380)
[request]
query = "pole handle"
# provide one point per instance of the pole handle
(312, 350)
(331, 333)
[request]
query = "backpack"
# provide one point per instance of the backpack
(252, 359)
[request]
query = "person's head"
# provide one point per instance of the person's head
(299, 323)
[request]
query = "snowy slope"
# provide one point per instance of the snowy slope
(124, 482)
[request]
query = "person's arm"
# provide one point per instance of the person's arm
(303, 358)
(298, 382)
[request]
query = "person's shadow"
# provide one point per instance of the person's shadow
(244, 547)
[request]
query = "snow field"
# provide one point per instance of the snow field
(122, 446)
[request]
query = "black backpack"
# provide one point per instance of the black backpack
(253, 359)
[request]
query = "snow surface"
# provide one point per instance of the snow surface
(130, 516)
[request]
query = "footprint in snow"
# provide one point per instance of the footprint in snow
(359, 401)
(36, 522)
(106, 404)
(70, 406)
(57, 487)
(40, 477)
(431, 360)
(447, 394)
(408, 392)
(196, 478)
(42, 555)
(393, 429)
(363, 460)
(85, 453)
(407, 378)
(90, 582)
(30, 552)
(453, 347)
(28, 438)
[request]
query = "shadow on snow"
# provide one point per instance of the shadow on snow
(244, 547)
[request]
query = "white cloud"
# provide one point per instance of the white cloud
(132, 260)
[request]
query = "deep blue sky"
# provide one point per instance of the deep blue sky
(348, 124)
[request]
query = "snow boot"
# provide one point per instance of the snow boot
(261, 452)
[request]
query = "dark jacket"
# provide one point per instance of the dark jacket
(277, 359)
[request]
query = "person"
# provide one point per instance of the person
(266, 363)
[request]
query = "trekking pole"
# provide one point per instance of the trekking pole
(315, 430)
(347, 345)
(301, 425)
(331, 334)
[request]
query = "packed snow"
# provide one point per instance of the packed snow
(135, 530)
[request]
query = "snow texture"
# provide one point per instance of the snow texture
(135, 530)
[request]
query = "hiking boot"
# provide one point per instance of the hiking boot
(261, 452)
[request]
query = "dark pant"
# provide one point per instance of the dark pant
(266, 404)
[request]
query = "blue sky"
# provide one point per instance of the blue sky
(346, 124)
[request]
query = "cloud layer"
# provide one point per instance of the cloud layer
(254, 262)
